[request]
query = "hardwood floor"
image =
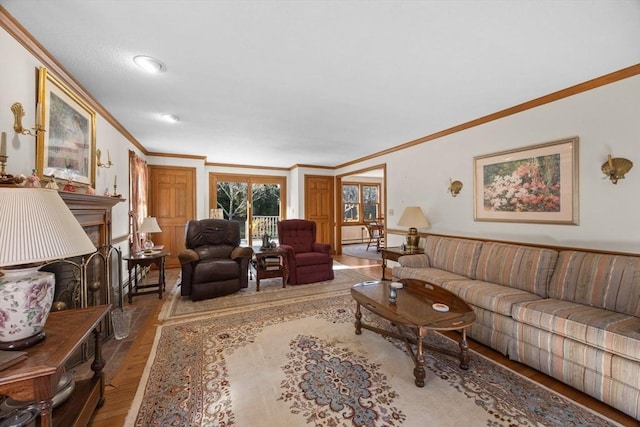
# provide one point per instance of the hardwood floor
(134, 351)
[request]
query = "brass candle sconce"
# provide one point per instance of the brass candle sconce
(616, 168)
(99, 161)
(454, 187)
(18, 114)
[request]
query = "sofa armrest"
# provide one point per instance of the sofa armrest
(324, 248)
(240, 252)
(187, 256)
(415, 261)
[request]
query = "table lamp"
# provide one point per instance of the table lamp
(37, 226)
(414, 218)
(149, 225)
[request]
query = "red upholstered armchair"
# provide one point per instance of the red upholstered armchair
(308, 261)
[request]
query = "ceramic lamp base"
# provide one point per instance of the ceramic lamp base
(26, 296)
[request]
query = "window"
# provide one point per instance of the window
(360, 202)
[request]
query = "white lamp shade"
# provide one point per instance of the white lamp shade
(37, 226)
(413, 217)
(149, 225)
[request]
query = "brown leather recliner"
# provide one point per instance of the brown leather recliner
(214, 263)
(308, 260)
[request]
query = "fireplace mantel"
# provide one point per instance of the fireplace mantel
(93, 212)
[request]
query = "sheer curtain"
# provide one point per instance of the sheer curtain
(139, 182)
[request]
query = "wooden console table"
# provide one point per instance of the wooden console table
(393, 254)
(36, 378)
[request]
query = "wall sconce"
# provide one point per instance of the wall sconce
(99, 162)
(615, 169)
(454, 187)
(18, 114)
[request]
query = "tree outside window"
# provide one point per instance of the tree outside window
(360, 202)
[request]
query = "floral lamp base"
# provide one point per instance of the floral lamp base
(25, 300)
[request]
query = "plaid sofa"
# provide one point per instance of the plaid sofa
(573, 315)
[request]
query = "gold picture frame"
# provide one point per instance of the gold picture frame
(67, 149)
(534, 184)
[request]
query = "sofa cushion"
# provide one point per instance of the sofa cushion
(459, 256)
(313, 258)
(607, 281)
(614, 332)
(215, 269)
(521, 267)
(428, 274)
(415, 261)
(492, 297)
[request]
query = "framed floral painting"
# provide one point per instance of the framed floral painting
(537, 184)
(67, 149)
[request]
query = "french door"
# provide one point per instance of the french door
(257, 202)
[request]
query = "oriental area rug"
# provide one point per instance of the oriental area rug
(271, 292)
(301, 363)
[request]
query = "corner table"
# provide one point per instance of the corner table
(266, 270)
(393, 254)
(146, 259)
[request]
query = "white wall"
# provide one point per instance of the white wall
(19, 84)
(605, 119)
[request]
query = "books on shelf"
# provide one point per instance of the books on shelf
(270, 263)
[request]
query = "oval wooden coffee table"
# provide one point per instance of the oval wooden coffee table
(415, 313)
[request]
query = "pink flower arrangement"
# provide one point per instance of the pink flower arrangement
(526, 189)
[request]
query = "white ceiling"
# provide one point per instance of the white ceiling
(278, 83)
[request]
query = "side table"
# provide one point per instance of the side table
(268, 270)
(144, 259)
(36, 377)
(393, 254)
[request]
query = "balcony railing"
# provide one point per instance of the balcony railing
(262, 225)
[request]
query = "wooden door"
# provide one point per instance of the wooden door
(172, 200)
(318, 206)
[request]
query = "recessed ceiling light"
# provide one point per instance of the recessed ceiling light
(171, 118)
(149, 64)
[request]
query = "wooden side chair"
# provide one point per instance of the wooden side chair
(376, 234)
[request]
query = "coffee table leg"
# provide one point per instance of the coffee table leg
(464, 351)
(419, 372)
(358, 319)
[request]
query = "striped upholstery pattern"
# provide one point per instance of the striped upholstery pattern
(612, 379)
(415, 261)
(428, 274)
(496, 298)
(617, 333)
(493, 330)
(600, 280)
(573, 315)
(458, 256)
(520, 267)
